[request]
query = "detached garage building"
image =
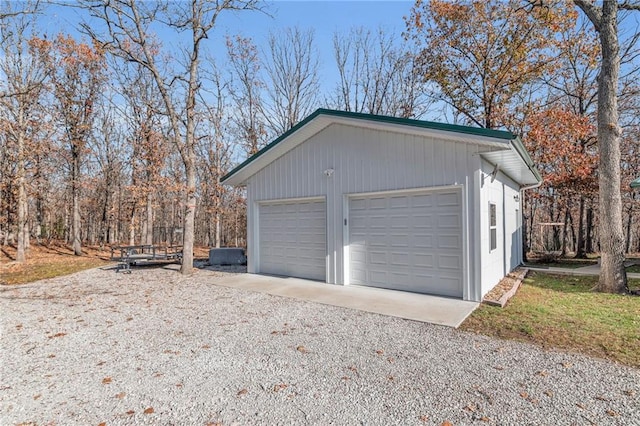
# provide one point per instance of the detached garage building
(359, 199)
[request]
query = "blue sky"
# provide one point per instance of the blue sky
(325, 17)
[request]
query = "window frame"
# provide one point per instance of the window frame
(493, 226)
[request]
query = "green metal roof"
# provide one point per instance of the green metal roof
(454, 128)
(635, 183)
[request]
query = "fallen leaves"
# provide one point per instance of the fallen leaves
(302, 349)
(57, 335)
(242, 392)
(279, 387)
(121, 395)
(148, 410)
(471, 407)
(106, 380)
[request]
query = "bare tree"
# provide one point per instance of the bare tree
(215, 153)
(246, 92)
(76, 72)
(377, 75)
(613, 278)
(24, 76)
(292, 70)
(107, 152)
(129, 31)
(147, 142)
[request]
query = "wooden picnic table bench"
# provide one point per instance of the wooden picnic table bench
(131, 255)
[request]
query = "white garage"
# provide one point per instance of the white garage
(409, 241)
(292, 238)
(399, 204)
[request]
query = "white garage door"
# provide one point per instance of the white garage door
(407, 241)
(293, 239)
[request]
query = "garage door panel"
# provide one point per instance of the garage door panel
(449, 262)
(422, 260)
(400, 259)
(449, 242)
(448, 200)
(377, 203)
(292, 239)
(422, 201)
(410, 242)
(377, 258)
(446, 220)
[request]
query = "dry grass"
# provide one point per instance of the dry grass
(47, 262)
(562, 312)
(53, 260)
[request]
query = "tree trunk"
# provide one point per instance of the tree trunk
(627, 245)
(132, 227)
(613, 278)
(188, 233)
(564, 232)
(580, 250)
(217, 225)
(147, 226)
(589, 231)
(573, 232)
(22, 198)
(75, 195)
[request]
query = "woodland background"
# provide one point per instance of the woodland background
(111, 138)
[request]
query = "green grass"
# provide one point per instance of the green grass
(635, 269)
(565, 263)
(562, 312)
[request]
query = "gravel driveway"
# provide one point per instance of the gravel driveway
(154, 347)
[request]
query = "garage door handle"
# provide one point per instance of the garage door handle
(345, 222)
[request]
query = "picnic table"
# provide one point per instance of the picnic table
(131, 255)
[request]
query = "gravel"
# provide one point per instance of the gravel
(154, 347)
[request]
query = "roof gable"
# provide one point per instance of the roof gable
(507, 152)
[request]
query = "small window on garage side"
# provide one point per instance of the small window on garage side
(493, 228)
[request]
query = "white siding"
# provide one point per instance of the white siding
(495, 264)
(366, 160)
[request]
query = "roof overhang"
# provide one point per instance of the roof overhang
(500, 148)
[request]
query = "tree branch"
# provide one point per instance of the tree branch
(592, 11)
(628, 5)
